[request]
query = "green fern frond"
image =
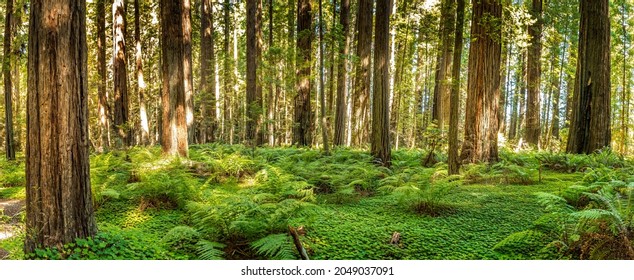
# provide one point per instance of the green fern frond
(208, 250)
(275, 246)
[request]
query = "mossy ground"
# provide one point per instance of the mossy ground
(140, 197)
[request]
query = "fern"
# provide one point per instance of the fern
(275, 246)
(208, 250)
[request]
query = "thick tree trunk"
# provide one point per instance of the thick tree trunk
(6, 70)
(440, 111)
(454, 118)
(228, 120)
(271, 99)
(103, 107)
(590, 123)
(174, 138)
(120, 73)
(58, 197)
(533, 126)
(483, 91)
(342, 75)
(360, 115)
(207, 73)
(254, 87)
(145, 128)
(380, 147)
(302, 128)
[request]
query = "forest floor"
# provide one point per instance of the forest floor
(233, 202)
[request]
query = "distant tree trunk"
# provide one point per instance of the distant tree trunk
(513, 126)
(504, 93)
(381, 98)
(271, 100)
(120, 73)
(454, 118)
(533, 126)
(174, 138)
(440, 111)
(303, 115)
(342, 75)
(145, 128)
(254, 87)
(207, 72)
(6, 70)
(483, 91)
(187, 69)
(58, 197)
(361, 95)
(228, 121)
(555, 127)
(333, 50)
(590, 124)
(103, 107)
(322, 97)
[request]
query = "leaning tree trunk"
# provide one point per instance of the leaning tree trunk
(120, 72)
(174, 139)
(381, 98)
(207, 72)
(302, 128)
(590, 120)
(453, 161)
(342, 106)
(6, 70)
(534, 75)
(483, 90)
(58, 197)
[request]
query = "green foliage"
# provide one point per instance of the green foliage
(104, 246)
(182, 239)
(12, 173)
(528, 244)
(208, 250)
(275, 247)
(500, 173)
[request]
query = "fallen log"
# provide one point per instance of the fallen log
(298, 243)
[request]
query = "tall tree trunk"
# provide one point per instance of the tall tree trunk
(103, 107)
(342, 75)
(333, 50)
(513, 127)
(303, 115)
(453, 160)
(6, 70)
(440, 111)
(207, 72)
(590, 124)
(322, 97)
(58, 196)
(483, 91)
(361, 95)
(271, 100)
(174, 138)
(381, 99)
(120, 73)
(187, 69)
(228, 121)
(555, 127)
(254, 88)
(533, 126)
(145, 128)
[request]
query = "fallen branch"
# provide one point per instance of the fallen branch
(298, 243)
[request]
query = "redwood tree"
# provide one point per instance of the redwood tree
(207, 72)
(254, 87)
(103, 108)
(381, 97)
(140, 87)
(174, 138)
(533, 77)
(302, 128)
(483, 89)
(361, 95)
(590, 120)
(342, 106)
(453, 161)
(120, 72)
(58, 197)
(6, 70)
